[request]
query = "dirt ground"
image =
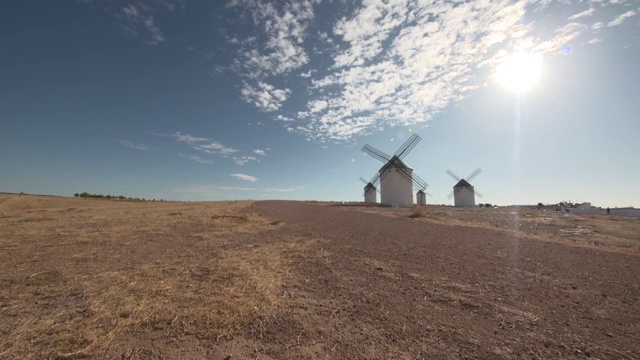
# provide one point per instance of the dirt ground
(85, 278)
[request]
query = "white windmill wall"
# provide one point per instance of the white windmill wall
(370, 196)
(395, 190)
(421, 198)
(464, 197)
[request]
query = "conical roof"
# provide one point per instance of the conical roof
(395, 162)
(462, 183)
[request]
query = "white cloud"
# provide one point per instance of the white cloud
(244, 177)
(242, 160)
(284, 24)
(396, 62)
(134, 145)
(307, 74)
(317, 106)
(620, 19)
(204, 144)
(215, 147)
(587, 12)
(281, 117)
(196, 158)
(264, 96)
(188, 138)
(259, 152)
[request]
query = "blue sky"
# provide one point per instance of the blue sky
(247, 99)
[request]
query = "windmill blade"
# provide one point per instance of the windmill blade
(375, 153)
(473, 175)
(453, 175)
(368, 186)
(370, 189)
(414, 178)
(477, 193)
(420, 184)
(373, 184)
(408, 146)
(375, 180)
(450, 195)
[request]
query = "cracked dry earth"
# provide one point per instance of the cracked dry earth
(385, 287)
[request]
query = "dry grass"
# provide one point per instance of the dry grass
(416, 212)
(80, 275)
(614, 233)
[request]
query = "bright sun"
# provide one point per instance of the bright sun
(520, 71)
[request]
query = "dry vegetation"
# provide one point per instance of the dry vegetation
(609, 232)
(79, 276)
(93, 278)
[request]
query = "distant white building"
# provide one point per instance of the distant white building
(584, 206)
(370, 194)
(421, 198)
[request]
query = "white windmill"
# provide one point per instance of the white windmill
(421, 197)
(463, 191)
(371, 190)
(395, 177)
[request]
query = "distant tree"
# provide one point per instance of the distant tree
(76, 194)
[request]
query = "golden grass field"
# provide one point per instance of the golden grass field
(77, 274)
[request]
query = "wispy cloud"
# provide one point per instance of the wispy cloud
(260, 152)
(188, 138)
(242, 160)
(196, 158)
(395, 63)
(136, 19)
(217, 148)
(204, 144)
(587, 12)
(284, 25)
(134, 145)
(621, 18)
(244, 177)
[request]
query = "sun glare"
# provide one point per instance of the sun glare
(520, 71)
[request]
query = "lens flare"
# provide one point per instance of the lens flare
(520, 71)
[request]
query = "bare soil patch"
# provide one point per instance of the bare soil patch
(84, 278)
